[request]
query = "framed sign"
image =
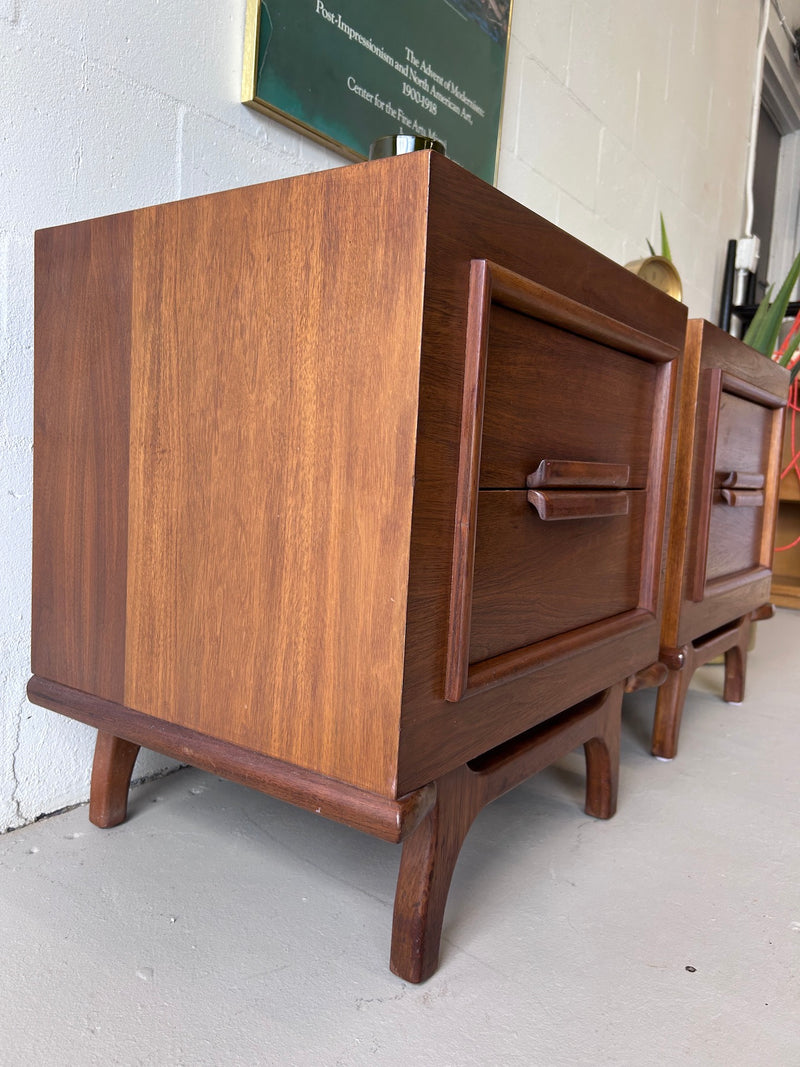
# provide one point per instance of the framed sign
(346, 72)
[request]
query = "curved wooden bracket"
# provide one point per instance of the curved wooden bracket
(654, 675)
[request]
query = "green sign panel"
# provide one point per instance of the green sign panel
(350, 71)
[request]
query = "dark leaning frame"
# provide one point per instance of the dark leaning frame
(250, 97)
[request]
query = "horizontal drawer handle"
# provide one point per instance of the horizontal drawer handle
(740, 480)
(556, 506)
(742, 498)
(577, 474)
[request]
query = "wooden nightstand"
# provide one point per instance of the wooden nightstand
(722, 517)
(350, 487)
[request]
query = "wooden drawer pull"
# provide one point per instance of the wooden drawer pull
(560, 505)
(742, 498)
(739, 480)
(577, 474)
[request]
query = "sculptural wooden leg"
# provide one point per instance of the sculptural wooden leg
(669, 711)
(426, 869)
(431, 850)
(730, 641)
(602, 769)
(736, 666)
(111, 778)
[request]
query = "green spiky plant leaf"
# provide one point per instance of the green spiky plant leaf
(762, 333)
(666, 253)
(756, 327)
(665, 249)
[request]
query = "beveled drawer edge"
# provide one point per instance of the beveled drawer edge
(469, 463)
(490, 283)
(521, 661)
(531, 298)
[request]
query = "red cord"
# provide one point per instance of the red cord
(794, 328)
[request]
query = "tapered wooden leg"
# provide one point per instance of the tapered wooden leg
(669, 711)
(732, 641)
(602, 762)
(430, 852)
(426, 869)
(111, 779)
(736, 666)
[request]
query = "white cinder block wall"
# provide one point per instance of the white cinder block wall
(615, 110)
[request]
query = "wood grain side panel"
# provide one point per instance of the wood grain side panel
(772, 484)
(276, 353)
(706, 402)
(82, 367)
(681, 554)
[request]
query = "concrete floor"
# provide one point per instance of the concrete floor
(221, 927)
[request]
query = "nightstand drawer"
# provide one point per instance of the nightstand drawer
(735, 536)
(744, 430)
(738, 431)
(561, 488)
(551, 394)
(537, 578)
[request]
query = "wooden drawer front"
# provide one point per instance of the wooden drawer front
(735, 481)
(734, 540)
(535, 579)
(554, 395)
(561, 481)
(744, 431)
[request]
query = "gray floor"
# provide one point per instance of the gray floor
(220, 927)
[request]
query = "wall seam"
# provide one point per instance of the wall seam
(17, 818)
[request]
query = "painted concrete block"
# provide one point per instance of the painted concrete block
(585, 224)
(603, 65)
(543, 31)
(87, 143)
(700, 186)
(512, 97)
(523, 183)
(558, 135)
(214, 156)
(626, 191)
